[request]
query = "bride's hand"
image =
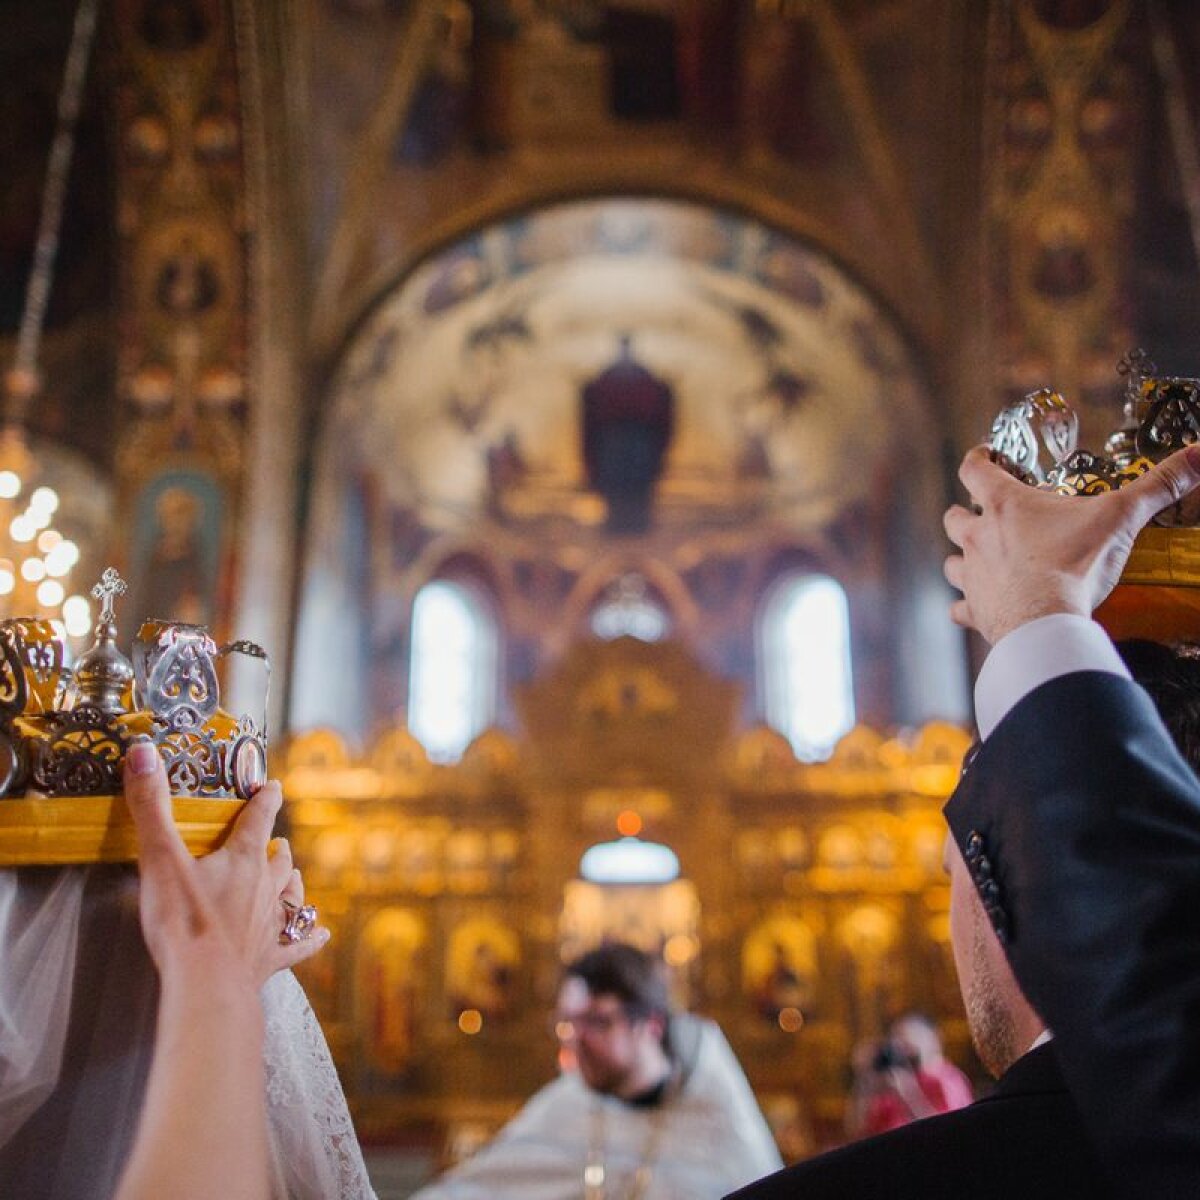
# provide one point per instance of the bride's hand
(219, 917)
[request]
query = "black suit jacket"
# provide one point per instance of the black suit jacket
(1023, 1142)
(1081, 824)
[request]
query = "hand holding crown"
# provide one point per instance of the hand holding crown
(220, 915)
(1025, 553)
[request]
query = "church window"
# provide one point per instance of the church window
(629, 861)
(452, 675)
(808, 687)
(627, 609)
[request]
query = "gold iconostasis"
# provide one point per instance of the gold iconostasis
(810, 904)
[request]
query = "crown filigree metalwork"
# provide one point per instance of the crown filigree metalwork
(65, 732)
(1161, 415)
(1041, 418)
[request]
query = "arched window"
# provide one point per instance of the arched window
(804, 650)
(629, 609)
(452, 673)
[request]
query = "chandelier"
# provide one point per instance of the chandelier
(36, 559)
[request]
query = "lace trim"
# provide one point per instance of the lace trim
(316, 1151)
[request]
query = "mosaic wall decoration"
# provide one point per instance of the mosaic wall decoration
(1060, 179)
(183, 293)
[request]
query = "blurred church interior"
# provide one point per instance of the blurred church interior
(566, 393)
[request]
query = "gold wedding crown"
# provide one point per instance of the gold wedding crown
(1162, 415)
(1036, 439)
(64, 732)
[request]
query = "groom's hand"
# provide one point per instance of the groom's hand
(1026, 553)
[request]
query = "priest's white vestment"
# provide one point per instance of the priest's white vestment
(706, 1138)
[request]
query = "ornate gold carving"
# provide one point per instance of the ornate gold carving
(819, 880)
(184, 257)
(1059, 194)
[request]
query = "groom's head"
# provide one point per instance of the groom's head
(1003, 1024)
(1171, 676)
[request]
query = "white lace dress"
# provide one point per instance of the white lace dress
(314, 1146)
(78, 996)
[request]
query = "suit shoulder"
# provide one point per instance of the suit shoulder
(1028, 1146)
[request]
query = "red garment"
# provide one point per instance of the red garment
(943, 1086)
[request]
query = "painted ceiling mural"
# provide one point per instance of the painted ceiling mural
(463, 395)
(887, 158)
(612, 388)
(458, 113)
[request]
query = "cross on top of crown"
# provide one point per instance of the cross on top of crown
(1136, 365)
(111, 586)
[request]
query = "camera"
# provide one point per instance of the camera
(889, 1056)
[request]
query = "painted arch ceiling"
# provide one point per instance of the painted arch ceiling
(460, 395)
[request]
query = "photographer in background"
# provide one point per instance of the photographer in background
(905, 1078)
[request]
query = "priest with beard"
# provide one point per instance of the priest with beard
(653, 1105)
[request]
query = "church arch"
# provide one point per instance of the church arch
(660, 578)
(725, 192)
(458, 399)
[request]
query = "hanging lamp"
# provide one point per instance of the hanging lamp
(36, 560)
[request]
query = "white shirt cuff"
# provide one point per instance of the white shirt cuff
(1041, 1039)
(1035, 653)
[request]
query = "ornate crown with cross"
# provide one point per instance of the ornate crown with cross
(1036, 440)
(64, 732)
(1162, 415)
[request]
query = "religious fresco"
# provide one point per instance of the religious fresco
(389, 979)
(816, 108)
(184, 302)
(872, 972)
(483, 958)
(492, 346)
(779, 967)
(1059, 116)
(554, 69)
(178, 528)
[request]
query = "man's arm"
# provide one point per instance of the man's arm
(1081, 826)
(1026, 553)
(1036, 653)
(1078, 819)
